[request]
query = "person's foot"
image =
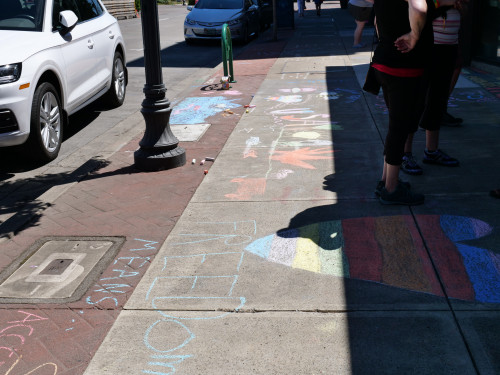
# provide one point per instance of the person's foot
(440, 158)
(449, 120)
(359, 45)
(410, 166)
(401, 195)
(495, 193)
(381, 185)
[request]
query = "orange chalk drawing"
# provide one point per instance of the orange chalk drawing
(299, 157)
(247, 188)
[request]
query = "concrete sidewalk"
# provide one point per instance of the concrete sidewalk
(279, 260)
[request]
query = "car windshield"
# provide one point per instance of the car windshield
(219, 4)
(26, 15)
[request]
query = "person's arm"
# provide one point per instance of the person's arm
(417, 10)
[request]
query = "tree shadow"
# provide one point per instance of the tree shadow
(22, 204)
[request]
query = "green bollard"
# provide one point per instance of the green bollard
(227, 52)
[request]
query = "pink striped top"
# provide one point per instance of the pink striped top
(446, 30)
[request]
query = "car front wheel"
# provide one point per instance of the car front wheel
(46, 128)
(116, 93)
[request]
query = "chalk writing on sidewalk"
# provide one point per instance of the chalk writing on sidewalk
(52, 366)
(110, 288)
(20, 330)
(198, 286)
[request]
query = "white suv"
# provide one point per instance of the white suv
(56, 57)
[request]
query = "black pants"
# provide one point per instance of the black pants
(438, 83)
(404, 100)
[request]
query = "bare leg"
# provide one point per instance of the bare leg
(432, 140)
(390, 175)
(358, 32)
(409, 143)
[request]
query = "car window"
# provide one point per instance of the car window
(84, 9)
(89, 9)
(22, 15)
(219, 4)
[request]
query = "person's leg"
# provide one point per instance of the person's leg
(358, 32)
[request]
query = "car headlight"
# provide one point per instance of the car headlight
(190, 22)
(10, 73)
(234, 22)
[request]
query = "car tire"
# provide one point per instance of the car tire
(46, 127)
(246, 36)
(116, 94)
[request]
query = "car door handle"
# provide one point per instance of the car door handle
(111, 35)
(90, 44)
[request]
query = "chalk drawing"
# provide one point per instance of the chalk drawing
(247, 188)
(287, 99)
(251, 142)
(357, 248)
(196, 110)
(49, 364)
(299, 157)
(108, 293)
(181, 284)
(295, 90)
(21, 330)
(307, 135)
(281, 174)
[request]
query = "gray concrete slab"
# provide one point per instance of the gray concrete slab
(290, 255)
(282, 343)
(482, 333)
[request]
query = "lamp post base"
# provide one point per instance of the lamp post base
(159, 159)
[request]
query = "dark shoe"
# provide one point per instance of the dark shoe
(381, 184)
(440, 158)
(402, 195)
(495, 193)
(410, 166)
(449, 120)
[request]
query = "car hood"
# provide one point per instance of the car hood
(17, 46)
(214, 15)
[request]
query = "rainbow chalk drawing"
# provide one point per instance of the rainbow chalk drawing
(389, 250)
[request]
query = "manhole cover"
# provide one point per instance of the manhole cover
(57, 269)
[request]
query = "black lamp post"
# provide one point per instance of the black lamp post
(159, 147)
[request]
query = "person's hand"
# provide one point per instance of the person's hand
(405, 43)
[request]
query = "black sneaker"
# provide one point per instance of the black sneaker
(381, 185)
(449, 120)
(409, 165)
(402, 195)
(440, 158)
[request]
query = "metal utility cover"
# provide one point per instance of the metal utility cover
(58, 269)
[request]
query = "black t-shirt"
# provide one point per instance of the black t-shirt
(393, 22)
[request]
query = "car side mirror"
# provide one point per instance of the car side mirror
(67, 20)
(190, 8)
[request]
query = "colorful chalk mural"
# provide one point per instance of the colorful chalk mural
(302, 137)
(196, 110)
(389, 250)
